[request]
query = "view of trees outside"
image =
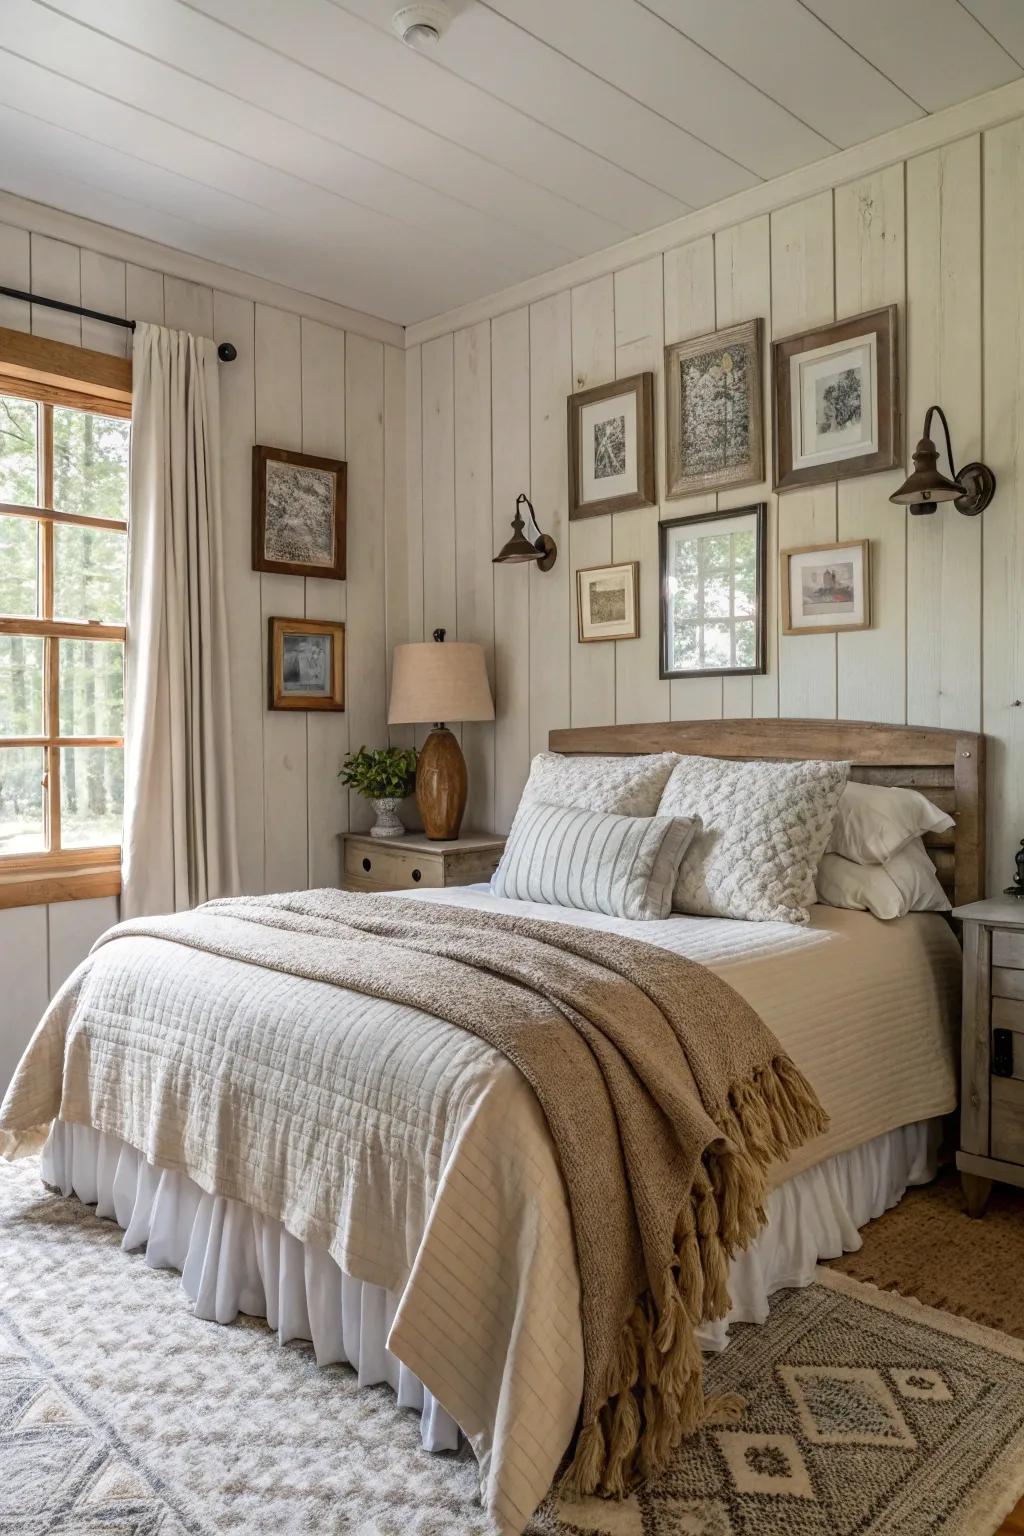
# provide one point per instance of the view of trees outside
(714, 599)
(90, 478)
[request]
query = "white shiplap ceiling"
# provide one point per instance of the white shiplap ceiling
(300, 141)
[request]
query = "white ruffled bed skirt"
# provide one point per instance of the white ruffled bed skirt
(232, 1260)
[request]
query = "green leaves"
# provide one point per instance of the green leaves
(386, 774)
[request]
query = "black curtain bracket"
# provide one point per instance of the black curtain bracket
(226, 351)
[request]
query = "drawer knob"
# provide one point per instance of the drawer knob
(367, 865)
(417, 874)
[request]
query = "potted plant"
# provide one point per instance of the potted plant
(383, 777)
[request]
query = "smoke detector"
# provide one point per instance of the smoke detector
(421, 26)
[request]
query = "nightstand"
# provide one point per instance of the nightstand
(992, 1087)
(404, 863)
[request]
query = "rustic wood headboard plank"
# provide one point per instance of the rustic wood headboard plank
(947, 766)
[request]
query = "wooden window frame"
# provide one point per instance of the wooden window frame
(52, 373)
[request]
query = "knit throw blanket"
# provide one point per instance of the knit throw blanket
(665, 1095)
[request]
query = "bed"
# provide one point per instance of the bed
(420, 1291)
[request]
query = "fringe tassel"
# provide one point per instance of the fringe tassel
(654, 1394)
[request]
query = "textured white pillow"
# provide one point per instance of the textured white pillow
(873, 822)
(624, 866)
(764, 829)
(905, 883)
(627, 786)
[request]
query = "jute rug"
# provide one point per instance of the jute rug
(928, 1247)
(121, 1414)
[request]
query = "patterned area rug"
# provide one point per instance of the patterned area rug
(121, 1414)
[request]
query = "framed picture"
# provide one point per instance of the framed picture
(298, 513)
(713, 594)
(611, 447)
(608, 605)
(307, 664)
(713, 410)
(836, 401)
(826, 588)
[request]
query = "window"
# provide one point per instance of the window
(63, 563)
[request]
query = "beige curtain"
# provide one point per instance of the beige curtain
(180, 844)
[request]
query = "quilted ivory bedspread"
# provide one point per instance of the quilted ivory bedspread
(466, 1214)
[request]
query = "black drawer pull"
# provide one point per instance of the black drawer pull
(367, 865)
(1002, 1053)
(417, 874)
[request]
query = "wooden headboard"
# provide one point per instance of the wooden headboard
(947, 766)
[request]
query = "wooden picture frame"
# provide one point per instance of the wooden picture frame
(324, 679)
(620, 447)
(747, 638)
(857, 609)
(299, 507)
(866, 426)
(725, 447)
(623, 575)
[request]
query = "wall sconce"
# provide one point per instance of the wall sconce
(519, 548)
(970, 491)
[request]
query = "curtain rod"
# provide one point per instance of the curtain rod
(226, 351)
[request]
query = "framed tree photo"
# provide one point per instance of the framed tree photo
(611, 447)
(836, 401)
(714, 411)
(298, 513)
(306, 660)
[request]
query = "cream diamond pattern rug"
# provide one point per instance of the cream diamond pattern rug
(865, 1415)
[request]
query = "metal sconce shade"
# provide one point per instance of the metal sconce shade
(970, 491)
(519, 548)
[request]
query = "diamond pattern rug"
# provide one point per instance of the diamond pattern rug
(865, 1414)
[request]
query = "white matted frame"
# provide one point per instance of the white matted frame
(826, 588)
(592, 582)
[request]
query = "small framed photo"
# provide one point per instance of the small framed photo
(611, 447)
(713, 411)
(306, 664)
(836, 401)
(608, 603)
(298, 513)
(713, 615)
(826, 588)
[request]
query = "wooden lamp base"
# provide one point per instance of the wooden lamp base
(441, 785)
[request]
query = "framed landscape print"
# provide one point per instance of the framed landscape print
(713, 594)
(298, 513)
(836, 401)
(611, 447)
(826, 588)
(608, 605)
(713, 411)
(307, 664)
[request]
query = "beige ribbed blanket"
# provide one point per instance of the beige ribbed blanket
(665, 1096)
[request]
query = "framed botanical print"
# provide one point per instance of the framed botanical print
(306, 664)
(298, 513)
(713, 411)
(836, 401)
(608, 606)
(713, 594)
(826, 588)
(611, 447)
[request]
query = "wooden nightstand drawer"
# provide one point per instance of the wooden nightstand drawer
(1007, 983)
(415, 862)
(1008, 949)
(394, 869)
(1008, 1120)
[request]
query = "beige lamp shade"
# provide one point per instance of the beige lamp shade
(439, 681)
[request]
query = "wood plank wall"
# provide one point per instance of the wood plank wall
(296, 383)
(941, 236)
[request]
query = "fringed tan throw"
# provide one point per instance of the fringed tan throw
(665, 1095)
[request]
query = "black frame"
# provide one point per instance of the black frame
(760, 667)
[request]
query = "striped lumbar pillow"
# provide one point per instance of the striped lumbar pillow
(624, 866)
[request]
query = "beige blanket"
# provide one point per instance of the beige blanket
(647, 1067)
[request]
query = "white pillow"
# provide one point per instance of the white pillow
(764, 829)
(626, 786)
(873, 822)
(905, 883)
(622, 865)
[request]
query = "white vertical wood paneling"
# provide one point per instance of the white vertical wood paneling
(510, 473)
(439, 607)
(56, 274)
(144, 295)
(188, 306)
(640, 694)
(591, 665)
(15, 272)
(944, 342)
(474, 573)
(103, 288)
(400, 558)
(871, 272)
(367, 667)
(23, 968)
(72, 929)
(550, 608)
(803, 295)
(408, 535)
(1003, 584)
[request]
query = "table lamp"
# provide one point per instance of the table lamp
(439, 682)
